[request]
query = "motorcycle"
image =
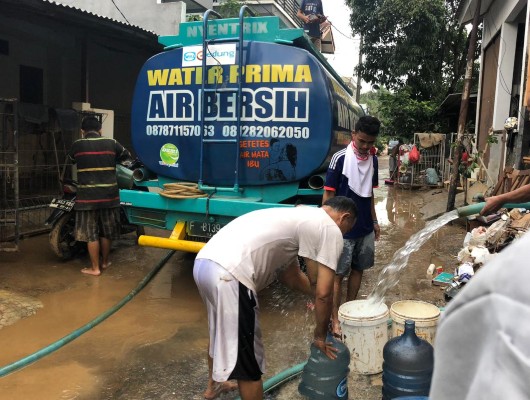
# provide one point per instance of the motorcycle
(62, 218)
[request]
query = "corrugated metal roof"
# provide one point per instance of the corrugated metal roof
(94, 14)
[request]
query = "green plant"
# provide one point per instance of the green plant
(230, 8)
(193, 17)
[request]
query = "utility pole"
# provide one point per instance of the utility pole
(464, 106)
(359, 65)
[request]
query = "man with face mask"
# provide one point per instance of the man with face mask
(353, 172)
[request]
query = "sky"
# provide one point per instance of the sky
(346, 54)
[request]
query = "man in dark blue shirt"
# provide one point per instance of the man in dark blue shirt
(312, 14)
(353, 172)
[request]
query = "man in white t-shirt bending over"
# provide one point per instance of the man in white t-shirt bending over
(246, 256)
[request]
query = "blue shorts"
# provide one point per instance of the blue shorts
(357, 254)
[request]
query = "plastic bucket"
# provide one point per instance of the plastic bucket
(425, 315)
(365, 332)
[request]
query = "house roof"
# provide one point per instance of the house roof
(466, 10)
(69, 15)
(451, 103)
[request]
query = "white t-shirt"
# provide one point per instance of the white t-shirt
(254, 246)
(482, 347)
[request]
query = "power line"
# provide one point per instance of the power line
(117, 8)
(343, 34)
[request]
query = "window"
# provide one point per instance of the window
(31, 85)
(4, 47)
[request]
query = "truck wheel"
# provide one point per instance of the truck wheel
(62, 240)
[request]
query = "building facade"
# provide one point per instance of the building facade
(503, 89)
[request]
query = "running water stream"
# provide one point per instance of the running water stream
(389, 275)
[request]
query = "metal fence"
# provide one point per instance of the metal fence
(34, 141)
(430, 169)
(9, 190)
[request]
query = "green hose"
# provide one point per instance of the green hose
(466, 211)
(281, 378)
(23, 362)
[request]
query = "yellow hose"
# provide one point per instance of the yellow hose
(182, 190)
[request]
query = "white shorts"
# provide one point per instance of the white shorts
(220, 292)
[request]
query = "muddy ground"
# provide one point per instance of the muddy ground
(154, 347)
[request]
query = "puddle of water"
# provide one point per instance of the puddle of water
(155, 346)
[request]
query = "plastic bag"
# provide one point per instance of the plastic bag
(464, 272)
(478, 237)
(431, 176)
(414, 155)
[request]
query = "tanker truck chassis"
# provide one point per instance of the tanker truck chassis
(243, 113)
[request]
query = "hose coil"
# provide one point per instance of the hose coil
(182, 190)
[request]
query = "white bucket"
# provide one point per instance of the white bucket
(425, 316)
(365, 332)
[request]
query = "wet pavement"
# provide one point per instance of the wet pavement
(155, 346)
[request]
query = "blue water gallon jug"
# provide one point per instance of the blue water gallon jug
(408, 362)
(324, 378)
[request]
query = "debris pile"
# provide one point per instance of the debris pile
(482, 244)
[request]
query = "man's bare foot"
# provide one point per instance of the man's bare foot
(218, 388)
(90, 271)
(105, 266)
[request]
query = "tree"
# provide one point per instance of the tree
(411, 43)
(400, 114)
(230, 8)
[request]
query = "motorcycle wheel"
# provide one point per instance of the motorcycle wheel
(62, 240)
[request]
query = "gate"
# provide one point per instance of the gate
(9, 190)
(430, 169)
(34, 141)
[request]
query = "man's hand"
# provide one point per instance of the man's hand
(326, 348)
(492, 204)
(377, 231)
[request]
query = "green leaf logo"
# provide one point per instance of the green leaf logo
(169, 154)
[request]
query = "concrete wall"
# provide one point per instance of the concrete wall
(59, 56)
(111, 67)
(502, 19)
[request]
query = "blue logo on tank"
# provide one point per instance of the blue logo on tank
(190, 56)
(342, 388)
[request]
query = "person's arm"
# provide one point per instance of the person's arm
(122, 153)
(328, 194)
(321, 17)
(494, 203)
(300, 14)
(293, 277)
(377, 229)
(323, 306)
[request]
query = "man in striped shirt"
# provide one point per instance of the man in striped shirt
(97, 202)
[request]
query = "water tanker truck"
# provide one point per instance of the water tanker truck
(235, 115)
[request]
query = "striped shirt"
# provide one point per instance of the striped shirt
(96, 157)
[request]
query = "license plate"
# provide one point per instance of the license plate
(203, 229)
(62, 204)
